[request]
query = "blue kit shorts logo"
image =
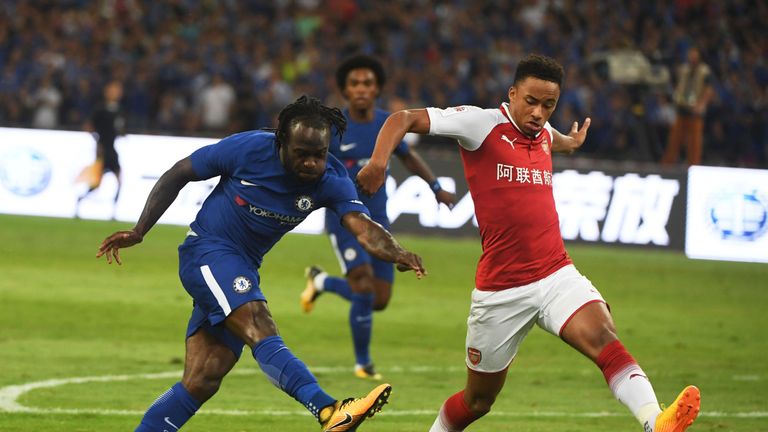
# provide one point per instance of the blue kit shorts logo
(241, 285)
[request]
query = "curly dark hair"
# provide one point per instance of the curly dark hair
(310, 112)
(360, 61)
(541, 67)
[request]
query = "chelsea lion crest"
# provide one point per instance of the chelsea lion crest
(241, 285)
(304, 203)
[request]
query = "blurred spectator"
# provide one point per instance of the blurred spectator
(216, 102)
(44, 104)
(166, 53)
(692, 95)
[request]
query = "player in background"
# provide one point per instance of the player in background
(367, 284)
(270, 182)
(106, 124)
(525, 275)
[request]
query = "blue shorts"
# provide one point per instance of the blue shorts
(349, 252)
(219, 279)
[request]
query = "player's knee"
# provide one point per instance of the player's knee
(381, 301)
(383, 292)
(480, 405)
(604, 335)
(361, 281)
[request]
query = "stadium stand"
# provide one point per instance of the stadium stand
(56, 55)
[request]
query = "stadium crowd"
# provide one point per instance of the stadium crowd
(212, 67)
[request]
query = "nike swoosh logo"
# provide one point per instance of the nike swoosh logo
(345, 147)
(247, 183)
(637, 375)
(347, 420)
(168, 420)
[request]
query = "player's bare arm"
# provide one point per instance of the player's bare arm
(571, 142)
(380, 243)
(372, 176)
(415, 164)
(160, 198)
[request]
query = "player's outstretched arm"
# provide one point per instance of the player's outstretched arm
(380, 243)
(160, 198)
(571, 142)
(372, 176)
(415, 164)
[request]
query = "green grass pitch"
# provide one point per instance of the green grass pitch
(64, 315)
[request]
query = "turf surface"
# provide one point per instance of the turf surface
(64, 314)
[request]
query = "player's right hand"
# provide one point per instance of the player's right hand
(111, 245)
(410, 261)
(370, 179)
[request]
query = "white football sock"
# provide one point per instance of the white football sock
(319, 280)
(632, 388)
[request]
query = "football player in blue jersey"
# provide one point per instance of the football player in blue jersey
(270, 181)
(367, 284)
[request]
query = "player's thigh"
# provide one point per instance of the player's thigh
(219, 279)
(348, 251)
(574, 309)
(498, 323)
(252, 322)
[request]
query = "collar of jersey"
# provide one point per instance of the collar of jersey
(505, 110)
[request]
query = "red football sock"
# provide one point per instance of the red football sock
(613, 360)
(456, 414)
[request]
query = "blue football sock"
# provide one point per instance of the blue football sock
(290, 374)
(170, 411)
(339, 286)
(361, 323)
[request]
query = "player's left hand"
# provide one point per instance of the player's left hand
(370, 179)
(445, 197)
(578, 135)
(411, 261)
(111, 245)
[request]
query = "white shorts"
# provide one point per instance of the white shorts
(499, 320)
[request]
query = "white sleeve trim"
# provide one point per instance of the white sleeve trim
(469, 125)
(549, 129)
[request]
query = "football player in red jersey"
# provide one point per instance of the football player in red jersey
(525, 275)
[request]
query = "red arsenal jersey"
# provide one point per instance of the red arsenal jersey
(510, 179)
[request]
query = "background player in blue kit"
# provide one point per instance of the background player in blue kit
(368, 282)
(270, 182)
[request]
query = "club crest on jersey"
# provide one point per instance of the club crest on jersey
(545, 145)
(241, 285)
(350, 254)
(453, 110)
(474, 355)
(304, 203)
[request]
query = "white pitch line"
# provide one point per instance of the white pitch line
(9, 398)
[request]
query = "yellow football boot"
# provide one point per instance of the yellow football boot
(681, 414)
(310, 293)
(367, 372)
(349, 413)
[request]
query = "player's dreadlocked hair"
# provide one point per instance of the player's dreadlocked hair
(312, 113)
(541, 67)
(360, 61)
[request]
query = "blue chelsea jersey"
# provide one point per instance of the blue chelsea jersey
(256, 200)
(355, 149)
